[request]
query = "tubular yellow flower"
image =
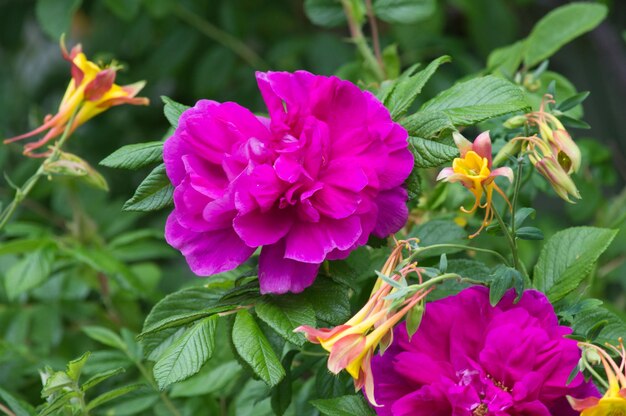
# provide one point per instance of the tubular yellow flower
(352, 345)
(474, 171)
(91, 91)
(553, 153)
(613, 403)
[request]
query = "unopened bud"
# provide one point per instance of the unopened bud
(515, 122)
(561, 182)
(71, 165)
(511, 148)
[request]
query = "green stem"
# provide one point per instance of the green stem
(24, 191)
(510, 238)
(224, 38)
(361, 43)
(516, 189)
(420, 250)
(431, 282)
(596, 375)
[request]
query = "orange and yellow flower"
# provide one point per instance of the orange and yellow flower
(475, 172)
(613, 402)
(352, 345)
(91, 91)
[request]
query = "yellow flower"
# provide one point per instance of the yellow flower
(613, 403)
(553, 153)
(352, 345)
(474, 171)
(91, 91)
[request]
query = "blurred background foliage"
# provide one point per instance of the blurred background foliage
(192, 49)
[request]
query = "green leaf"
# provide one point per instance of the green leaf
(501, 280)
(31, 271)
(284, 314)
(187, 354)
(465, 104)
(439, 232)
(507, 59)
(414, 319)
(254, 348)
(104, 336)
(182, 307)
(58, 403)
(173, 110)
(281, 394)
(327, 13)
(56, 382)
(208, 382)
(55, 16)
(75, 367)
(124, 9)
(330, 300)
(111, 395)
(430, 153)
(408, 86)
(413, 184)
(134, 156)
(615, 327)
(529, 233)
(404, 11)
(154, 193)
(99, 378)
(568, 257)
(572, 101)
(343, 406)
(559, 27)
(18, 407)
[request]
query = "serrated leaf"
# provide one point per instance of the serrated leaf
(507, 59)
(99, 378)
(614, 329)
(413, 185)
(328, 13)
(111, 395)
(254, 348)
(559, 27)
(343, 406)
(187, 354)
(408, 87)
(568, 257)
(29, 272)
(155, 192)
(430, 153)
(330, 300)
(404, 11)
(465, 104)
(208, 382)
(104, 336)
(173, 110)
(134, 156)
(182, 307)
(501, 280)
(284, 314)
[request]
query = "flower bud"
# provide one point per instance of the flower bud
(558, 178)
(515, 122)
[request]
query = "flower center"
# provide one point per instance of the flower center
(499, 384)
(480, 410)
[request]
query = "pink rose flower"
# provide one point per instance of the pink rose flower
(307, 184)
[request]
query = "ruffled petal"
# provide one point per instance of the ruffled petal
(278, 274)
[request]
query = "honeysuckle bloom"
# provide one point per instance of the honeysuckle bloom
(474, 171)
(310, 183)
(352, 345)
(468, 358)
(553, 153)
(91, 91)
(613, 402)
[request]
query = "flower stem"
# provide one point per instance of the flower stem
(166, 401)
(374, 30)
(224, 38)
(22, 193)
(361, 43)
(510, 238)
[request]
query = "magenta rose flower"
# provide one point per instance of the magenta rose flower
(309, 183)
(471, 359)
